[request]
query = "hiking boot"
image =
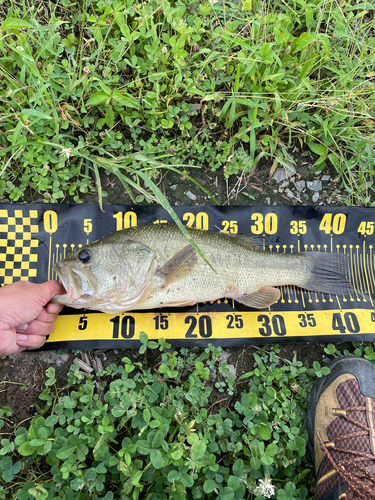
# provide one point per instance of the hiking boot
(340, 422)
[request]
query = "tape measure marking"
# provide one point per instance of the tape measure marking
(215, 325)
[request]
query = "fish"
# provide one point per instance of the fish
(155, 266)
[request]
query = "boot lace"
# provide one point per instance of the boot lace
(351, 470)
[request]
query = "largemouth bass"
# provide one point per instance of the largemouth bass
(154, 266)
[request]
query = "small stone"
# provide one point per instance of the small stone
(274, 191)
(300, 185)
(289, 193)
(174, 187)
(232, 371)
(283, 173)
(52, 357)
(284, 184)
(224, 356)
(315, 197)
(268, 201)
(314, 185)
(274, 204)
(310, 166)
(213, 374)
(190, 195)
(326, 177)
(115, 351)
(194, 108)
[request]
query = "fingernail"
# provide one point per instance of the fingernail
(21, 337)
(24, 327)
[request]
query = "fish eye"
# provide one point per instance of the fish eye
(84, 256)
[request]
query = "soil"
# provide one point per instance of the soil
(23, 376)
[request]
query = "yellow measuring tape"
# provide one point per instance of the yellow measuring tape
(215, 325)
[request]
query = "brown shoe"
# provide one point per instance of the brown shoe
(340, 421)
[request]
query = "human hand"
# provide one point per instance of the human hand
(26, 315)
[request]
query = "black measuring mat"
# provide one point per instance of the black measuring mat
(33, 237)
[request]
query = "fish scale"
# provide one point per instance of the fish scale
(155, 266)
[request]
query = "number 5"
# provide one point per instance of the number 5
(87, 226)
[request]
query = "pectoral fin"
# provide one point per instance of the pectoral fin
(179, 266)
(264, 297)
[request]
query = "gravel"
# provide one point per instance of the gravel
(232, 371)
(315, 185)
(300, 185)
(283, 173)
(190, 195)
(289, 193)
(53, 358)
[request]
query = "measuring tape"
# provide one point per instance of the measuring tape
(33, 237)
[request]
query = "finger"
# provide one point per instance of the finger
(30, 341)
(22, 328)
(15, 350)
(50, 288)
(46, 317)
(54, 308)
(39, 328)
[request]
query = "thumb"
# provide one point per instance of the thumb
(50, 288)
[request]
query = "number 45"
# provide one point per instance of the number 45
(366, 228)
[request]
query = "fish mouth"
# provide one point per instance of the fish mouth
(76, 284)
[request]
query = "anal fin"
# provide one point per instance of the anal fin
(179, 266)
(264, 297)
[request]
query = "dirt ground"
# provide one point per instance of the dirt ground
(22, 376)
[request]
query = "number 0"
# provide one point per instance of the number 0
(50, 221)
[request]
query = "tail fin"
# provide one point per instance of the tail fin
(328, 273)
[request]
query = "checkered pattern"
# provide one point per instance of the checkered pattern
(17, 257)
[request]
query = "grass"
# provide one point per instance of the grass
(151, 431)
(130, 87)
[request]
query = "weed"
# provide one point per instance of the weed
(152, 431)
(130, 88)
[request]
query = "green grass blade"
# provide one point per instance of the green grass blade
(166, 205)
(194, 182)
(98, 184)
